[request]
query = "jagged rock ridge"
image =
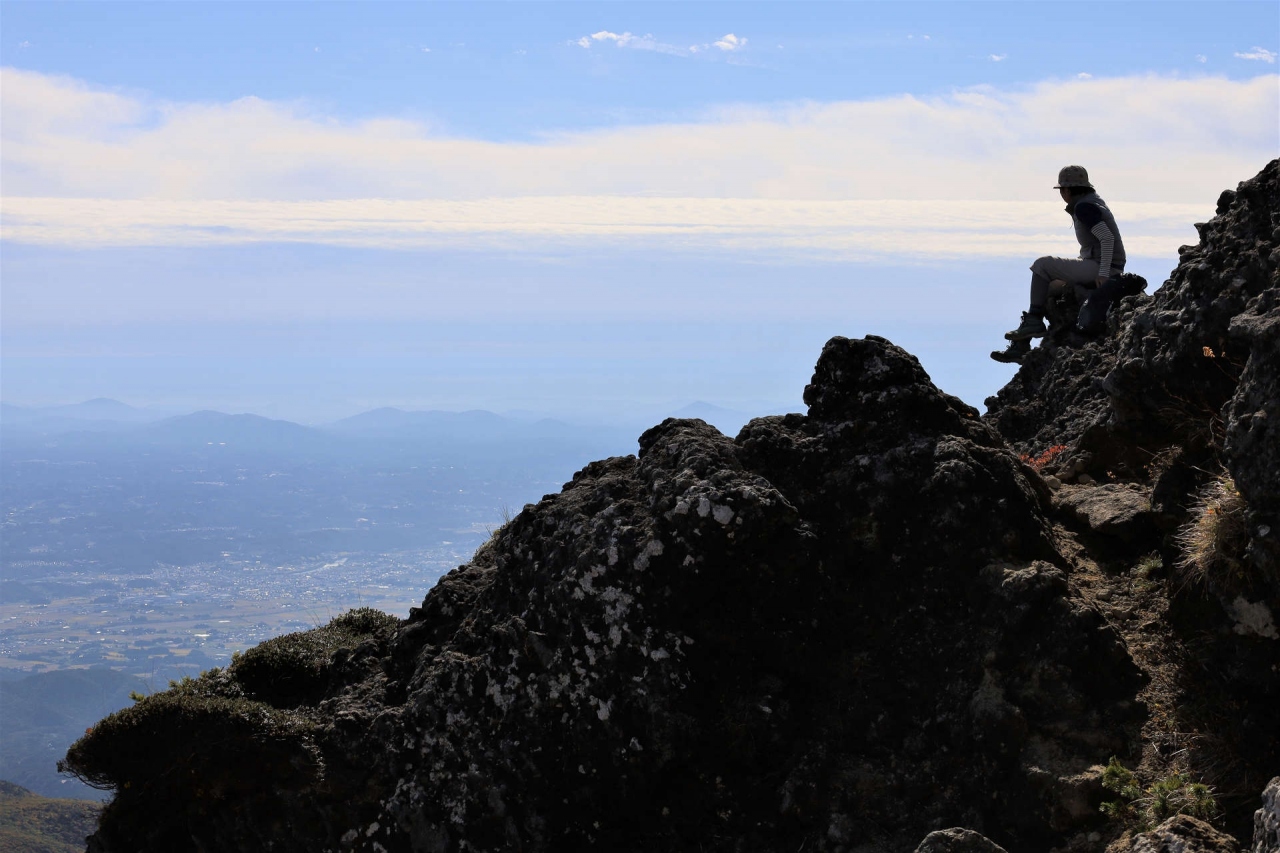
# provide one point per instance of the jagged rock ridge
(840, 627)
(841, 630)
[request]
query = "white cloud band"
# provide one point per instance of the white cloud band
(966, 173)
(920, 229)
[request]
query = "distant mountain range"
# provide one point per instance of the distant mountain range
(163, 428)
(97, 415)
(99, 409)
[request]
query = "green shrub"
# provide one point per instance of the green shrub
(1145, 807)
(1145, 572)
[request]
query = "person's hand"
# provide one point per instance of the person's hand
(1099, 281)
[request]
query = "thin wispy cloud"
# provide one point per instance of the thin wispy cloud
(628, 40)
(620, 39)
(84, 166)
(728, 43)
(1201, 58)
(1259, 54)
(998, 57)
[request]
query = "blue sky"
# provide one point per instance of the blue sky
(307, 209)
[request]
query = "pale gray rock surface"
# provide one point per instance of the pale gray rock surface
(1114, 509)
(1266, 821)
(1184, 834)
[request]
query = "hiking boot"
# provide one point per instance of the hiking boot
(1032, 327)
(1014, 353)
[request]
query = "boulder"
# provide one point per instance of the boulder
(1121, 511)
(958, 840)
(1184, 834)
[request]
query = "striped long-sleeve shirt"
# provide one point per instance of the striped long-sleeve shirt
(1090, 215)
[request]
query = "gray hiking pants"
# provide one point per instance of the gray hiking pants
(1046, 269)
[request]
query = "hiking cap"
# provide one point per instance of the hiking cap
(1073, 176)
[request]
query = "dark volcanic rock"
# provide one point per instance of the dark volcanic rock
(1056, 396)
(839, 631)
(846, 628)
(1252, 446)
(1181, 396)
(1177, 363)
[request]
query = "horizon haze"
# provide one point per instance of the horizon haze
(582, 210)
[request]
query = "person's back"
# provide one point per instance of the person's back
(1102, 259)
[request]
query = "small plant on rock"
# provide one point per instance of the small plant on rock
(1145, 571)
(1040, 461)
(1213, 541)
(1145, 807)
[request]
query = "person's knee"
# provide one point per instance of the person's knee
(1040, 265)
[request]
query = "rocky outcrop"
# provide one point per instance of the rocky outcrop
(850, 626)
(841, 630)
(1252, 434)
(1056, 396)
(1170, 362)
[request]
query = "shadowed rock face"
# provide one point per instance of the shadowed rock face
(846, 626)
(1185, 387)
(840, 630)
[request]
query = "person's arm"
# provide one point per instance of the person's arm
(1107, 243)
(1092, 219)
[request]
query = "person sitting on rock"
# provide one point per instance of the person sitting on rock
(1101, 258)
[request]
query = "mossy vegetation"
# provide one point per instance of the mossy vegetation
(120, 750)
(293, 670)
(253, 709)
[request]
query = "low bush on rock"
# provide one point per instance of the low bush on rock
(1144, 807)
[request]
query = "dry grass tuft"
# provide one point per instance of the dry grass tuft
(1213, 541)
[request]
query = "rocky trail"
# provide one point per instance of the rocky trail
(888, 624)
